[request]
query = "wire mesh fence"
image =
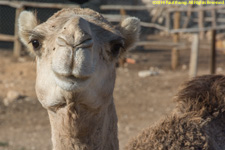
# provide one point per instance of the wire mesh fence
(7, 14)
(155, 15)
(7, 18)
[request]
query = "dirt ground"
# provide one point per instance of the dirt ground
(140, 102)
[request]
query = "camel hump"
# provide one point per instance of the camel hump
(204, 95)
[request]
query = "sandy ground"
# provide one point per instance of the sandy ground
(140, 102)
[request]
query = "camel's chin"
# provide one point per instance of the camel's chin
(69, 84)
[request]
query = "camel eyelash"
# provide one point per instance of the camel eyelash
(36, 35)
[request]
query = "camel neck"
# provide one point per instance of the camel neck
(78, 128)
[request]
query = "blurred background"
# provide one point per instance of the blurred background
(177, 43)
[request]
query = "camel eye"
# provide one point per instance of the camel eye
(116, 49)
(35, 43)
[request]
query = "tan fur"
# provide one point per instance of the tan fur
(26, 24)
(198, 122)
(76, 52)
(130, 24)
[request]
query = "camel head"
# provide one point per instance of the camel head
(76, 51)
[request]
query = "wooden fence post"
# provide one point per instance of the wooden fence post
(175, 51)
(201, 22)
(213, 14)
(213, 53)
(193, 67)
(17, 44)
(122, 60)
(168, 20)
(185, 25)
(123, 13)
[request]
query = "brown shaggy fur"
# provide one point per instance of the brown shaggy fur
(198, 124)
(204, 94)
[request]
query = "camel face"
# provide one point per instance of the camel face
(76, 51)
(73, 58)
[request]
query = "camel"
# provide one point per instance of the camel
(198, 121)
(76, 51)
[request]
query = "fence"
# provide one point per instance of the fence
(19, 7)
(172, 24)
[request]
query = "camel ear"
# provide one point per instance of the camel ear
(130, 29)
(27, 22)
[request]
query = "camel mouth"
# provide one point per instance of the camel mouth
(72, 78)
(70, 83)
